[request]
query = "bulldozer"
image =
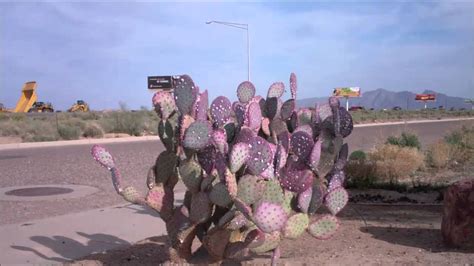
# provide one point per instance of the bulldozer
(79, 106)
(41, 107)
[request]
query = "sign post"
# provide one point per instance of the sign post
(347, 92)
(425, 98)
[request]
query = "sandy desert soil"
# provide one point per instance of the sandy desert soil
(390, 235)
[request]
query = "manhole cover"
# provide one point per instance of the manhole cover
(45, 192)
(38, 191)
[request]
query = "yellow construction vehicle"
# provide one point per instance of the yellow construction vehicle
(79, 106)
(41, 107)
(27, 99)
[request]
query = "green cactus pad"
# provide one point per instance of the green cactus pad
(246, 135)
(164, 103)
(165, 166)
(336, 200)
(201, 208)
(191, 173)
(102, 156)
(167, 135)
(324, 111)
(198, 135)
(287, 199)
(185, 94)
(269, 217)
(276, 90)
(250, 189)
(272, 107)
(220, 111)
(253, 116)
(293, 85)
(231, 183)
(200, 106)
(260, 156)
(296, 225)
(273, 192)
(238, 156)
(230, 131)
(220, 196)
(317, 196)
(161, 199)
(219, 140)
(304, 199)
(324, 228)
(304, 128)
(301, 145)
(131, 194)
(245, 91)
(296, 177)
(271, 241)
(278, 127)
(287, 109)
(330, 147)
(347, 124)
(184, 123)
(305, 117)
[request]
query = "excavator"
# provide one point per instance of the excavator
(28, 101)
(79, 106)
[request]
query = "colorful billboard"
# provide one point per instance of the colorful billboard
(347, 92)
(425, 97)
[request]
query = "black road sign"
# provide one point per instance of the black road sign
(160, 82)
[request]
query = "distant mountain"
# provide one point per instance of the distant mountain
(385, 99)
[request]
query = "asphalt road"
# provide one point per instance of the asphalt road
(74, 165)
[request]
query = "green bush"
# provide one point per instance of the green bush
(69, 132)
(358, 155)
(405, 140)
(92, 130)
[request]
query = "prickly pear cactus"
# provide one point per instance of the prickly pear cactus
(258, 169)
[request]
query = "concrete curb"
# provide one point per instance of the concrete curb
(148, 138)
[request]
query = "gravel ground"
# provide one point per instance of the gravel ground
(393, 235)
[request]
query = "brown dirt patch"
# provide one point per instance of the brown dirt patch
(9, 140)
(392, 235)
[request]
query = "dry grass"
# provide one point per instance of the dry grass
(394, 163)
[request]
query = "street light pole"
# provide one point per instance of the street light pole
(239, 26)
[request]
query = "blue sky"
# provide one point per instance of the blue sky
(102, 52)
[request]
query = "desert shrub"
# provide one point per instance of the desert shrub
(34, 131)
(358, 155)
(462, 144)
(394, 163)
(4, 117)
(438, 155)
(68, 132)
(92, 130)
(360, 173)
(18, 117)
(405, 140)
(132, 123)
